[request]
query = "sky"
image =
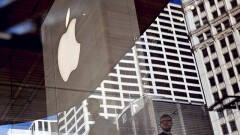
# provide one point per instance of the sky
(176, 1)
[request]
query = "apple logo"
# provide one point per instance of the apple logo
(68, 50)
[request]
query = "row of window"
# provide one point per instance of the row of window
(235, 88)
(227, 59)
(212, 3)
(172, 71)
(180, 94)
(220, 26)
(232, 126)
(177, 86)
(223, 45)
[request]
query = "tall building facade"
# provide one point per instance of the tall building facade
(161, 64)
(214, 27)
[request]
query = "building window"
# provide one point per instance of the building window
(226, 24)
(235, 53)
(162, 84)
(234, 3)
(165, 92)
(201, 7)
(177, 14)
(223, 43)
(220, 114)
(148, 83)
(187, 60)
(156, 55)
(222, 9)
(231, 72)
(190, 73)
(175, 72)
(216, 63)
(179, 86)
(173, 64)
(129, 80)
(237, 17)
(204, 20)
(158, 62)
(175, 8)
(211, 2)
(163, 77)
(40, 128)
(216, 96)
(170, 50)
(235, 88)
(212, 81)
(208, 66)
(46, 126)
(131, 88)
(201, 38)
(215, 14)
(224, 129)
(193, 88)
(220, 77)
(167, 37)
(159, 69)
(188, 67)
(233, 126)
(230, 39)
(183, 40)
(238, 68)
(169, 44)
(226, 57)
(224, 92)
(111, 86)
(197, 24)
(208, 33)
(212, 49)
(204, 52)
(172, 57)
(180, 27)
(166, 30)
(181, 94)
(181, 33)
(186, 53)
(198, 96)
(218, 28)
(194, 11)
(155, 48)
(229, 111)
(194, 81)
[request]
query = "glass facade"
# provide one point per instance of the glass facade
(74, 82)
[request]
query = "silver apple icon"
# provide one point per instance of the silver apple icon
(68, 50)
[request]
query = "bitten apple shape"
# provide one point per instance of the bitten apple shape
(68, 50)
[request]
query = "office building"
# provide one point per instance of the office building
(161, 64)
(46, 127)
(168, 65)
(214, 27)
